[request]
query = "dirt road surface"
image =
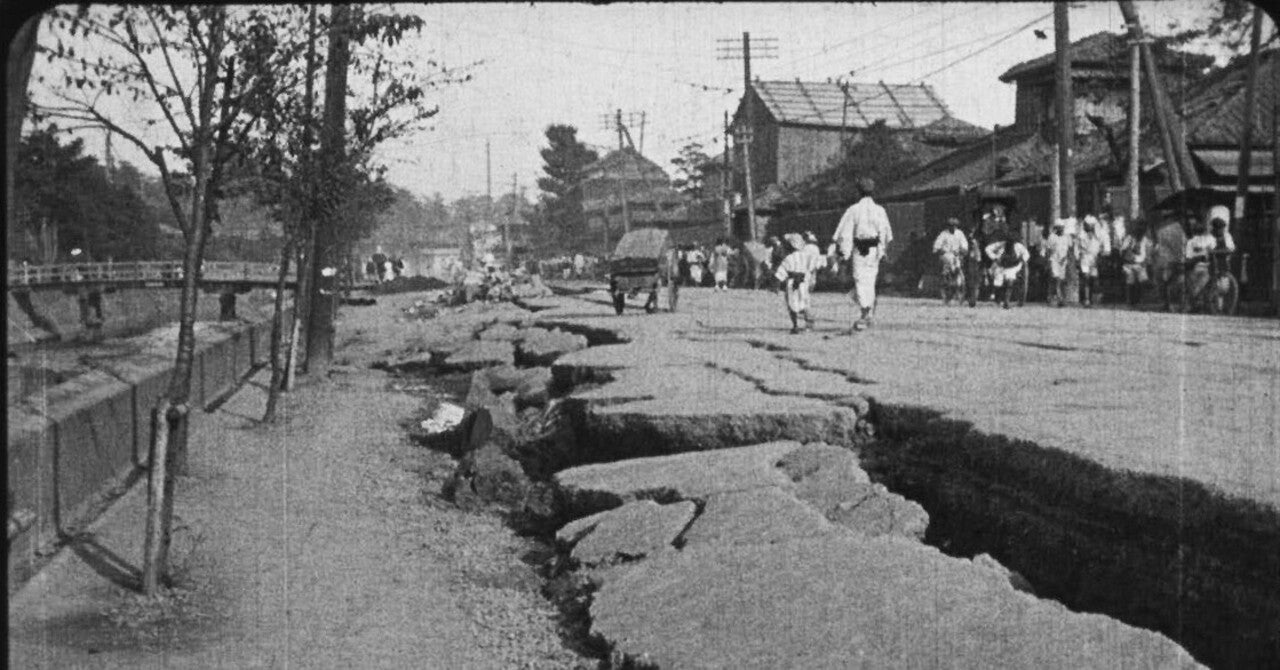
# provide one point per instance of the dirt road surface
(320, 542)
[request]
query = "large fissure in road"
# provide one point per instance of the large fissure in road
(1161, 553)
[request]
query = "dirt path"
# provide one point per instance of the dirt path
(320, 542)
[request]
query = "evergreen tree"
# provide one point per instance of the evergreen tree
(565, 158)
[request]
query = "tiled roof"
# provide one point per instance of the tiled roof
(1107, 51)
(1215, 110)
(823, 104)
(1023, 156)
(1099, 49)
(625, 164)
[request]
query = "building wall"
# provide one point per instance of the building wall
(803, 152)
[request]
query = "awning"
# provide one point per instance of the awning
(1225, 163)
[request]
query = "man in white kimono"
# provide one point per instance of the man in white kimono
(950, 247)
(864, 236)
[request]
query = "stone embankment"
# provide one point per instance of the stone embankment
(79, 443)
(721, 500)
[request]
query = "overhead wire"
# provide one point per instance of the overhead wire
(921, 79)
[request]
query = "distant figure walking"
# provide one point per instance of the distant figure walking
(1135, 254)
(1057, 251)
(863, 236)
(1090, 250)
(696, 259)
(793, 273)
(1009, 260)
(950, 247)
(720, 264)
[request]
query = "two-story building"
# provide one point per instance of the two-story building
(799, 130)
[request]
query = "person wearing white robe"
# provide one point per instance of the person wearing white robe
(863, 236)
(1009, 261)
(950, 247)
(793, 274)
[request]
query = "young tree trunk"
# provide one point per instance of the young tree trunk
(326, 252)
(169, 456)
(277, 336)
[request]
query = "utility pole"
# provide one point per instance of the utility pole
(1275, 205)
(1181, 173)
(488, 186)
(1066, 134)
(1135, 134)
(767, 48)
(1246, 136)
(995, 130)
(506, 227)
(726, 206)
(642, 119)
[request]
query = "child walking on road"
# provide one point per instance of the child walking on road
(793, 275)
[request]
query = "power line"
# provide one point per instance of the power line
(887, 62)
(920, 80)
(826, 50)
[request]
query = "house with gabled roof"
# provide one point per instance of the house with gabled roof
(798, 128)
(623, 190)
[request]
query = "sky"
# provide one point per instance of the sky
(575, 64)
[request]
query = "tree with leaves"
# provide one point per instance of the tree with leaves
(564, 160)
(57, 185)
(691, 166)
(204, 80)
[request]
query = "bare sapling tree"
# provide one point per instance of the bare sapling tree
(175, 82)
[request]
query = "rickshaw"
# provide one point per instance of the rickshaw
(992, 209)
(644, 260)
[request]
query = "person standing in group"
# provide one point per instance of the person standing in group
(1057, 251)
(1135, 254)
(1009, 260)
(1090, 250)
(950, 247)
(793, 274)
(863, 236)
(1209, 236)
(720, 264)
(696, 259)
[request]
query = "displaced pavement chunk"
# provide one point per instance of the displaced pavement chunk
(635, 530)
(844, 600)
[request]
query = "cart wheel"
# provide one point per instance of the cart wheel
(619, 302)
(651, 305)
(673, 294)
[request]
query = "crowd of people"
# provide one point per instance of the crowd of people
(1104, 247)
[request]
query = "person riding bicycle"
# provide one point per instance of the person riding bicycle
(950, 247)
(1202, 244)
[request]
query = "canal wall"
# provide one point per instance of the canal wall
(74, 447)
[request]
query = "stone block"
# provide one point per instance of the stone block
(635, 530)
(543, 347)
(479, 354)
(695, 475)
(843, 600)
(760, 515)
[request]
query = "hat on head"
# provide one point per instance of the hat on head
(1091, 220)
(796, 240)
(1219, 213)
(866, 185)
(953, 221)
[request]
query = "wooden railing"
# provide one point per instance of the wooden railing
(138, 272)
